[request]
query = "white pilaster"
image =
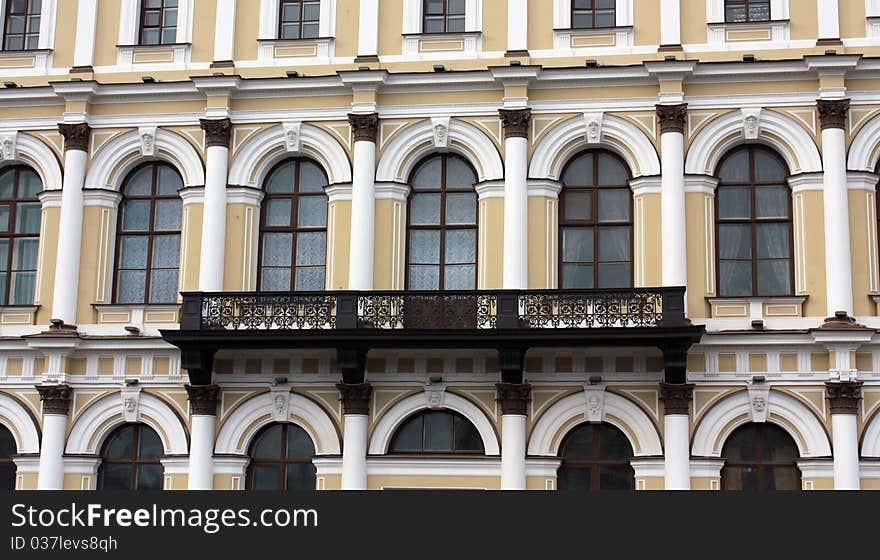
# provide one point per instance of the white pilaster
(517, 26)
(673, 228)
(368, 28)
(354, 452)
(86, 18)
(670, 22)
(515, 275)
(513, 452)
(829, 19)
(201, 452)
(676, 452)
(363, 202)
(213, 247)
(224, 32)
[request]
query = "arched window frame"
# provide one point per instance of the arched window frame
(151, 233)
(458, 419)
(136, 462)
(295, 229)
(7, 465)
(760, 465)
(594, 224)
(596, 463)
(443, 227)
(16, 205)
(753, 222)
(283, 461)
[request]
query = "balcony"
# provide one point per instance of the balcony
(356, 322)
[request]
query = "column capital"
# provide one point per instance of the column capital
(355, 397)
(677, 397)
(217, 132)
(364, 126)
(833, 112)
(203, 399)
(672, 118)
(76, 136)
(514, 397)
(515, 122)
(844, 396)
(56, 398)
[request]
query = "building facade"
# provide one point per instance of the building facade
(495, 244)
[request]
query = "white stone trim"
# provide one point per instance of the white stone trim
(821, 468)
(645, 185)
(736, 410)
(224, 31)
(92, 427)
(392, 419)
(106, 171)
(409, 146)
(240, 427)
(543, 187)
(618, 135)
(871, 438)
(546, 437)
(86, 20)
(706, 468)
(15, 417)
(253, 161)
(27, 150)
(796, 146)
(864, 150)
(829, 19)
(86, 468)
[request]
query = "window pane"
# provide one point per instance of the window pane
(150, 445)
(277, 249)
(614, 205)
(577, 245)
(461, 246)
(163, 286)
(169, 17)
(425, 209)
(734, 203)
(169, 214)
(467, 438)
(27, 218)
(268, 446)
(25, 253)
(613, 445)
(460, 277)
(7, 444)
(29, 184)
(150, 37)
(311, 248)
(577, 276)
(578, 205)
(275, 280)
(265, 478)
(768, 168)
(605, 19)
(278, 212)
(771, 202)
(409, 436)
(169, 35)
(7, 184)
(169, 181)
(301, 477)
(136, 215)
(23, 288)
(615, 244)
(735, 168)
(618, 275)
(461, 208)
(3, 276)
(611, 170)
(582, 21)
(734, 241)
(428, 175)
(134, 252)
(4, 254)
(774, 277)
(773, 241)
(434, 7)
(735, 278)
(455, 6)
(116, 477)
(299, 444)
(778, 445)
(7, 476)
(458, 172)
(579, 444)
(4, 217)
(576, 479)
(132, 286)
(579, 171)
(140, 183)
(424, 247)
(310, 279)
(120, 444)
(424, 277)
(311, 178)
(149, 477)
(281, 180)
(166, 251)
(615, 478)
(312, 212)
(438, 431)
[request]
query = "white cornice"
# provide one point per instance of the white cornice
(339, 191)
(490, 189)
(392, 191)
(645, 185)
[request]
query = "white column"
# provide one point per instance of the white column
(213, 247)
(224, 32)
(355, 399)
(838, 262)
(368, 29)
(513, 452)
(203, 406)
(517, 27)
(76, 145)
(673, 229)
(829, 20)
(844, 398)
(676, 435)
(363, 201)
(84, 49)
(670, 22)
(516, 198)
(56, 404)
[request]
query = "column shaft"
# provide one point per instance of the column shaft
(355, 399)
(676, 434)
(203, 401)
(514, 399)
(56, 404)
(673, 226)
(516, 198)
(213, 247)
(844, 398)
(363, 202)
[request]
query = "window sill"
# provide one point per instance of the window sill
(137, 314)
(754, 308)
(282, 51)
(18, 315)
(425, 46)
(749, 31)
(153, 55)
(578, 39)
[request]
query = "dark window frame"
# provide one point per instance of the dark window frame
(594, 465)
(592, 10)
(298, 23)
(594, 223)
(746, 4)
(761, 465)
(294, 229)
(143, 27)
(135, 462)
(753, 221)
(446, 15)
(27, 34)
(279, 464)
(7, 462)
(11, 236)
(457, 417)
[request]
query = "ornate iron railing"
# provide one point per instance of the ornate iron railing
(402, 310)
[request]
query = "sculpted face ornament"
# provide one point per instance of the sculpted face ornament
(759, 404)
(440, 135)
(128, 404)
(594, 405)
(8, 148)
(751, 126)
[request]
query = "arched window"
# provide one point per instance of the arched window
(736, 11)
(442, 225)
(149, 236)
(298, 19)
(590, 14)
(437, 431)
(20, 215)
(130, 459)
(158, 22)
(293, 226)
(443, 16)
(760, 458)
(596, 457)
(595, 222)
(754, 228)
(22, 25)
(8, 448)
(281, 459)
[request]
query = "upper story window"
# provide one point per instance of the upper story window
(293, 228)
(8, 448)
(20, 215)
(596, 457)
(158, 22)
(149, 236)
(281, 459)
(738, 11)
(595, 222)
(589, 14)
(22, 25)
(754, 226)
(130, 459)
(443, 16)
(760, 458)
(299, 19)
(442, 225)
(437, 431)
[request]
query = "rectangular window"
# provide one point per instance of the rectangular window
(22, 25)
(739, 11)
(590, 14)
(158, 22)
(299, 19)
(443, 16)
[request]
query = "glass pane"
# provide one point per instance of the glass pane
(438, 431)
(467, 438)
(299, 444)
(163, 286)
(4, 217)
(579, 444)
(613, 445)
(136, 215)
(460, 277)
(617, 275)
(742, 445)
(577, 276)
(434, 7)
(169, 181)
(265, 478)
(428, 175)
(4, 254)
(577, 245)
(277, 249)
(734, 241)
(425, 209)
(140, 183)
(615, 478)
(424, 247)
(311, 178)
(278, 212)
(169, 35)
(268, 444)
(578, 205)
(735, 278)
(312, 212)
(310, 30)
(27, 219)
(778, 445)
(768, 168)
(2, 284)
(774, 278)
(615, 244)
(169, 17)
(773, 241)
(771, 202)
(310, 279)
(301, 477)
(132, 286)
(169, 214)
(290, 31)
(149, 477)
(116, 477)
(150, 37)
(612, 171)
(579, 171)
(605, 19)
(29, 184)
(150, 445)
(121, 444)
(166, 251)
(7, 444)
(734, 203)
(735, 169)
(7, 184)
(281, 180)
(409, 436)
(311, 248)
(782, 478)
(461, 208)
(576, 479)
(424, 277)
(455, 6)
(461, 246)
(458, 172)
(24, 256)
(614, 205)
(582, 21)
(133, 252)
(23, 288)
(7, 477)
(275, 280)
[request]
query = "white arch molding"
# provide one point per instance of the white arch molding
(97, 422)
(401, 411)
(253, 161)
(35, 154)
(735, 411)
(871, 438)
(118, 156)
(864, 152)
(16, 418)
(620, 412)
(410, 145)
(777, 131)
(239, 429)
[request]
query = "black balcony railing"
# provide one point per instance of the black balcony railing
(472, 310)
